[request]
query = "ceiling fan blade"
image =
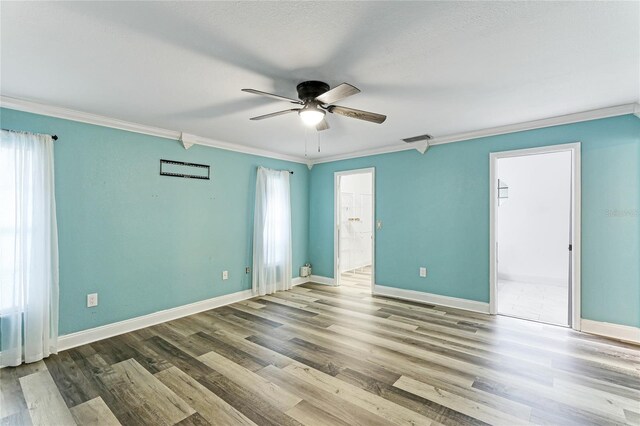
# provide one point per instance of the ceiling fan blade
(339, 92)
(271, 95)
(274, 114)
(323, 125)
(356, 113)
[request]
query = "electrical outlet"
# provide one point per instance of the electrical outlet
(225, 275)
(423, 272)
(92, 300)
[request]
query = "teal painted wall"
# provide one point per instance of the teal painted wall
(435, 213)
(146, 242)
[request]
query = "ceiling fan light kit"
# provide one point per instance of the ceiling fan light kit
(311, 115)
(316, 98)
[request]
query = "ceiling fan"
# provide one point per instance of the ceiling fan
(316, 99)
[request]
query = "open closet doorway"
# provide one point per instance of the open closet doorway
(534, 222)
(354, 228)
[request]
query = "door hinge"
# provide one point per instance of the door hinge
(570, 247)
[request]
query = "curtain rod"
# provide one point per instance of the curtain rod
(54, 137)
(285, 170)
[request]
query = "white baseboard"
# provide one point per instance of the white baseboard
(299, 280)
(72, 340)
(322, 280)
(435, 299)
(615, 331)
(83, 337)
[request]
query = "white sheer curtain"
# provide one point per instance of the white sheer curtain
(272, 232)
(28, 249)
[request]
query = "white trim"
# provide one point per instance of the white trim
(493, 270)
(613, 111)
(317, 279)
(114, 123)
(336, 220)
(299, 281)
(366, 153)
(99, 120)
(83, 337)
(228, 146)
(576, 233)
(576, 226)
(85, 117)
(423, 146)
(595, 114)
(614, 331)
(187, 140)
(434, 299)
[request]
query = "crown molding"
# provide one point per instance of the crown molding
(189, 140)
(366, 153)
(85, 117)
(114, 123)
(423, 147)
(229, 146)
(595, 114)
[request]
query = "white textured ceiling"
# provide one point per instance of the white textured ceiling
(431, 67)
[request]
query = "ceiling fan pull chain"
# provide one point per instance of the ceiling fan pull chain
(318, 133)
(306, 134)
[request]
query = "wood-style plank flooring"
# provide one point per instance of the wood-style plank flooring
(322, 355)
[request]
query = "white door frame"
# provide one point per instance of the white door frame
(336, 221)
(574, 148)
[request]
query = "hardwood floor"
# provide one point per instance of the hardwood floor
(323, 355)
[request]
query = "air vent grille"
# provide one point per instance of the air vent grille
(425, 137)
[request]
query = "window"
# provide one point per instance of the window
(272, 232)
(28, 249)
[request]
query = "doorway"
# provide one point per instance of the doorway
(534, 218)
(354, 228)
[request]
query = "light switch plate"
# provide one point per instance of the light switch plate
(423, 272)
(225, 275)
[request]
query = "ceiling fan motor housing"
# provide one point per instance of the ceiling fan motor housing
(309, 90)
(317, 98)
